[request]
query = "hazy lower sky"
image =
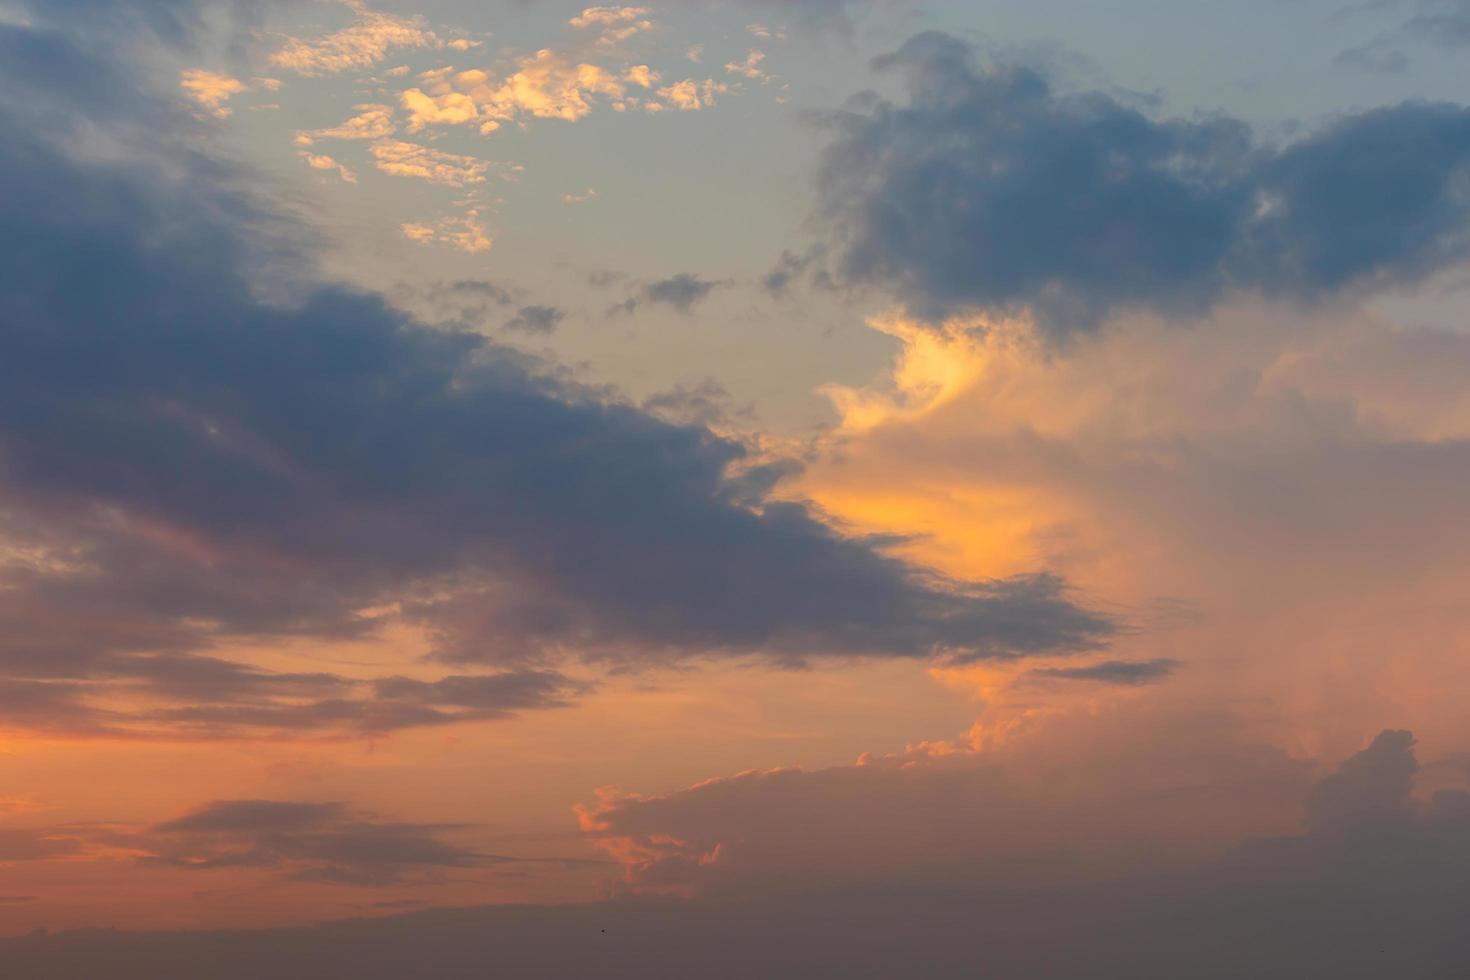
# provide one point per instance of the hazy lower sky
(736, 488)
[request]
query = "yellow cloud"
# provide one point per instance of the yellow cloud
(607, 16)
(371, 122)
(404, 159)
(466, 233)
(361, 45)
(750, 67)
(546, 85)
(320, 161)
(690, 95)
(1255, 489)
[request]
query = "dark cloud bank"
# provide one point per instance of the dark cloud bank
(189, 454)
(1375, 887)
(989, 188)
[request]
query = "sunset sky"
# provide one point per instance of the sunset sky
(745, 488)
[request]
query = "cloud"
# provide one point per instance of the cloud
(36, 845)
(546, 85)
(681, 292)
(536, 319)
(759, 832)
(991, 189)
(466, 233)
(706, 403)
(1149, 461)
(363, 44)
(608, 16)
(403, 159)
(325, 842)
(320, 161)
(1046, 803)
(350, 468)
(211, 90)
(467, 300)
(1442, 24)
(802, 882)
(1371, 790)
(616, 24)
(750, 67)
(372, 122)
(1109, 672)
(375, 707)
(690, 95)
(791, 266)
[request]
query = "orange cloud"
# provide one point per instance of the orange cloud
(210, 90)
(361, 45)
(1271, 500)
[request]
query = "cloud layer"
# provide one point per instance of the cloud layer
(1374, 886)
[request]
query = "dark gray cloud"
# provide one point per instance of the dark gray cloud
(307, 841)
(682, 292)
(1441, 22)
(536, 319)
(185, 461)
(1371, 790)
(330, 842)
(791, 267)
(462, 301)
(363, 708)
(704, 403)
(989, 188)
(1364, 900)
(1379, 55)
(1109, 672)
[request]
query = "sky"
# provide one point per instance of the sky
(735, 488)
